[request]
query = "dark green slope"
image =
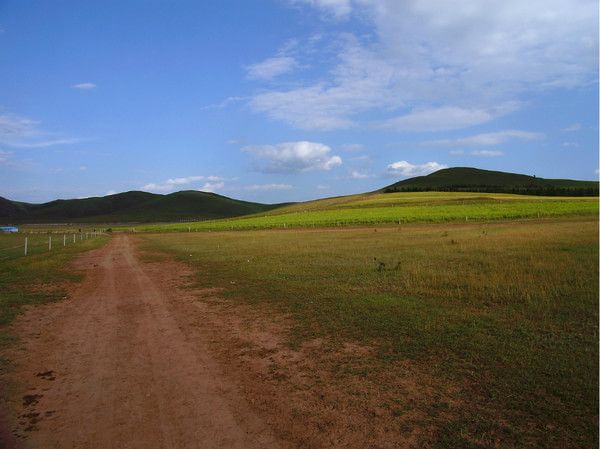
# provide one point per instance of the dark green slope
(465, 179)
(130, 207)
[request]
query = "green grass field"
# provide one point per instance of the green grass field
(507, 311)
(377, 208)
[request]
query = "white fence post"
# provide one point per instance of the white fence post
(64, 240)
(49, 243)
(25, 245)
(73, 238)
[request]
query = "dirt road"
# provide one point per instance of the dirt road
(112, 367)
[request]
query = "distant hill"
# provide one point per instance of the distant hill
(465, 179)
(131, 207)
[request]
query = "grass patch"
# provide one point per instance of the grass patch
(507, 310)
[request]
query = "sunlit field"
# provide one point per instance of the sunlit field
(506, 311)
(398, 208)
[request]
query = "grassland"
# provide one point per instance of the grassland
(37, 278)
(378, 208)
(507, 311)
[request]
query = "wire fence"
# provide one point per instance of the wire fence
(17, 245)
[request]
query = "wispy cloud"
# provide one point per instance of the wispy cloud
(225, 103)
(444, 118)
(84, 86)
(293, 157)
(271, 67)
(352, 147)
(4, 156)
(406, 169)
(22, 132)
(357, 174)
(487, 153)
(572, 128)
(337, 9)
(268, 187)
(493, 138)
(450, 65)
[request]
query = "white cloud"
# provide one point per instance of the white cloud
(268, 187)
(424, 56)
(357, 174)
(571, 128)
(111, 192)
(337, 8)
(212, 187)
(211, 182)
(364, 157)
(456, 152)
(21, 132)
(487, 153)
(406, 169)
(494, 138)
(84, 86)
(271, 67)
(294, 157)
(322, 187)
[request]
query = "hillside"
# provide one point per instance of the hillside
(465, 179)
(130, 207)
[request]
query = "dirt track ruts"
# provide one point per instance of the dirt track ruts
(112, 368)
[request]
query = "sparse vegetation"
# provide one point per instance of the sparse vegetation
(37, 278)
(506, 311)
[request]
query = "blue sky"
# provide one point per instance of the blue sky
(279, 100)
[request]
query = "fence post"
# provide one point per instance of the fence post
(64, 240)
(25, 245)
(49, 243)
(73, 238)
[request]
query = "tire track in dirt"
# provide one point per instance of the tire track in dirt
(112, 368)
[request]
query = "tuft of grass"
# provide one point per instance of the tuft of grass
(507, 310)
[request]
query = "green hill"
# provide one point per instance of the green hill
(130, 207)
(465, 179)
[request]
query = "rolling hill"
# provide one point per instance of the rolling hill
(466, 179)
(131, 206)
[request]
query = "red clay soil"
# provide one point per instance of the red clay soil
(111, 368)
(136, 358)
